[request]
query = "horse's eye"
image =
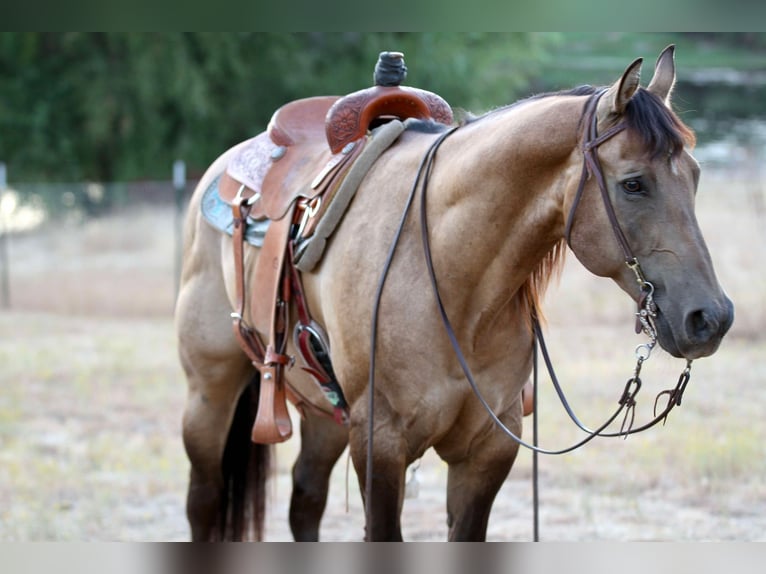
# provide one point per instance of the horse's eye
(632, 186)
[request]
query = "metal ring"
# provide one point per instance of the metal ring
(643, 351)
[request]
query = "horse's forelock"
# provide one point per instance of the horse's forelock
(658, 126)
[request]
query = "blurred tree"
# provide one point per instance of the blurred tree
(748, 40)
(122, 106)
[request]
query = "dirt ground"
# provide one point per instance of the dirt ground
(92, 395)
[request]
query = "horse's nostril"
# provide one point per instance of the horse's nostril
(697, 321)
(701, 325)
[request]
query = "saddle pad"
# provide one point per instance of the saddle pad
(309, 251)
(219, 214)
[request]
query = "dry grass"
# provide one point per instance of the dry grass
(92, 395)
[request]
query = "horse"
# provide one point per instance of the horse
(507, 196)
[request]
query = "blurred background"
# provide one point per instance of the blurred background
(93, 127)
(110, 107)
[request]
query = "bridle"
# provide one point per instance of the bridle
(591, 166)
(647, 310)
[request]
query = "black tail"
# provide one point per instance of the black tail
(246, 467)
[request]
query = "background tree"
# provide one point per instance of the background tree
(122, 106)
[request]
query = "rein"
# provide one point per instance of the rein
(647, 309)
(426, 163)
(646, 313)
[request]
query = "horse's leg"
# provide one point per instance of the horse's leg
(474, 481)
(388, 474)
(322, 442)
(216, 371)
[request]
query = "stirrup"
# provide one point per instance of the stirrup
(272, 421)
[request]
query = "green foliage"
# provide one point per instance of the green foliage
(122, 106)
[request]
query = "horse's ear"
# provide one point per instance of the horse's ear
(619, 94)
(664, 75)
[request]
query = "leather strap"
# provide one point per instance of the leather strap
(247, 339)
(627, 401)
(267, 276)
(592, 166)
(314, 367)
(272, 420)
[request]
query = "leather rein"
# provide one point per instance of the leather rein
(645, 314)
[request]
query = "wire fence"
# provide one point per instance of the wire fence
(59, 211)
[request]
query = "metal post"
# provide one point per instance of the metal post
(179, 183)
(5, 283)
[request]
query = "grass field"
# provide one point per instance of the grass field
(92, 395)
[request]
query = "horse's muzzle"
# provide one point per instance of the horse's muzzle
(699, 333)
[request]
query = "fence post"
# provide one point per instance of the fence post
(5, 283)
(179, 183)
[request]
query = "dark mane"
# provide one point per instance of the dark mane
(661, 130)
(585, 90)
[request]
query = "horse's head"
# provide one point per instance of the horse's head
(649, 185)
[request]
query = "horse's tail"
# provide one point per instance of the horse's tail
(246, 467)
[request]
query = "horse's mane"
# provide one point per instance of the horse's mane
(662, 132)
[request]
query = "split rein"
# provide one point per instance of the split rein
(645, 317)
(647, 310)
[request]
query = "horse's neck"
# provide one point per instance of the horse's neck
(502, 199)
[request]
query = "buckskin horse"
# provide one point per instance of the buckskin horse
(606, 172)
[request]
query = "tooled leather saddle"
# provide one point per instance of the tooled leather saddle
(322, 136)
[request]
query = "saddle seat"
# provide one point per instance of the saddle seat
(300, 120)
(266, 170)
(283, 175)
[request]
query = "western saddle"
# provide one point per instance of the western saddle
(322, 136)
